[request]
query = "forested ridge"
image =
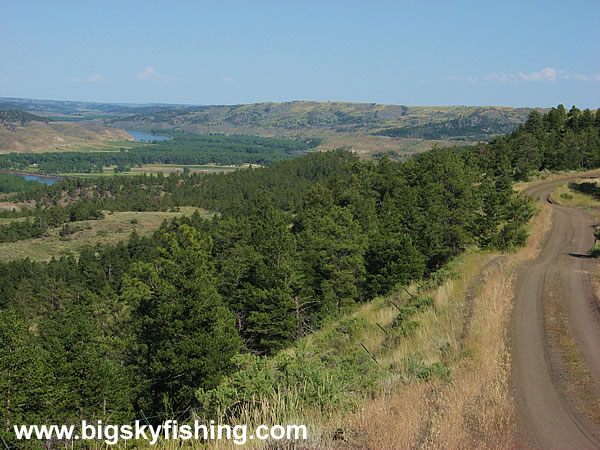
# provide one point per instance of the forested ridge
(188, 317)
(473, 127)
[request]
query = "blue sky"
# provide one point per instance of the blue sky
(502, 52)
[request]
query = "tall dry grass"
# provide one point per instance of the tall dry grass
(475, 409)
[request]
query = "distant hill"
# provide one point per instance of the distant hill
(310, 116)
(14, 116)
(23, 132)
(75, 110)
(367, 128)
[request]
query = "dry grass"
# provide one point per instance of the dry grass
(37, 137)
(113, 228)
(563, 195)
(9, 206)
(365, 145)
(548, 176)
(472, 410)
(475, 409)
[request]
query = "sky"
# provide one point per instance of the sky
(496, 52)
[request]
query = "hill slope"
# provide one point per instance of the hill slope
(27, 133)
(366, 128)
(338, 117)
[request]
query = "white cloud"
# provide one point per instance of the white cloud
(149, 74)
(576, 76)
(228, 79)
(546, 75)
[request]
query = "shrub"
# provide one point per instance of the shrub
(302, 377)
(422, 371)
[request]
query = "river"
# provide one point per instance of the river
(45, 180)
(141, 136)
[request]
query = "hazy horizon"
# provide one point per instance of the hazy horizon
(534, 54)
(266, 101)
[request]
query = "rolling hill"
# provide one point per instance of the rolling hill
(294, 117)
(368, 129)
(28, 133)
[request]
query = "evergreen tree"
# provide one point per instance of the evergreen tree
(184, 334)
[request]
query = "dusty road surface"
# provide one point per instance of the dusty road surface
(548, 415)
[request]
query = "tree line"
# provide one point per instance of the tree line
(183, 148)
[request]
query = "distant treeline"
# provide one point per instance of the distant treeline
(181, 149)
(473, 128)
(174, 322)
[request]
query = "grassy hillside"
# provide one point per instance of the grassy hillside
(304, 116)
(33, 137)
(75, 110)
(114, 227)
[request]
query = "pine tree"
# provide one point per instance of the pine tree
(26, 383)
(184, 334)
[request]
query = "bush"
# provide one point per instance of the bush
(422, 371)
(302, 377)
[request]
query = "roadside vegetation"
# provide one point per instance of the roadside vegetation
(579, 193)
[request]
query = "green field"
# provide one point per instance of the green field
(113, 228)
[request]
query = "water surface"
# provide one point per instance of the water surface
(142, 136)
(45, 180)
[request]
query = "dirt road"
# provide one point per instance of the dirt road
(547, 414)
